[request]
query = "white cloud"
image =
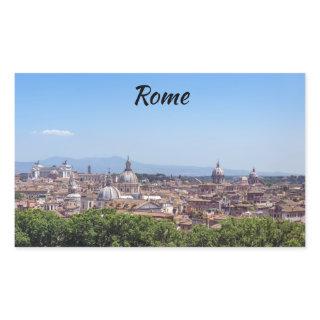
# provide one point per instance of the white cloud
(55, 132)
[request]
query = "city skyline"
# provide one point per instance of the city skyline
(115, 163)
(244, 120)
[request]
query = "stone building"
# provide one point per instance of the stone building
(39, 171)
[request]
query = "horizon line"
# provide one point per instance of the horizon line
(158, 164)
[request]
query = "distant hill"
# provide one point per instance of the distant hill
(117, 164)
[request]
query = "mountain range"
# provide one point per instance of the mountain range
(116, 164)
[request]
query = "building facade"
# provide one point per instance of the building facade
(39, 171)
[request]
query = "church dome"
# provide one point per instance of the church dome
(108, 193)
(253, 173)
(128, 176)
(218, 174)
(253, 177)
(217, 171)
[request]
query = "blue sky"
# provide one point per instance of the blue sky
(241, 119)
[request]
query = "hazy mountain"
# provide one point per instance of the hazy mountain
(117, 164)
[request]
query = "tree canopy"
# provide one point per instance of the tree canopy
(106, 227)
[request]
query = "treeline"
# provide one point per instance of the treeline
(288, 179)
(105, 227)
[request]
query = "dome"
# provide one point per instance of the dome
(217, 171)
(128, 176)
(253, 177)
(253, 173)
(108, 193)
(218, 174)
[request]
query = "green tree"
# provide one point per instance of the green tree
(260, 232)
(106, 227)
(22, 239)
(42, 228)
(201, 236)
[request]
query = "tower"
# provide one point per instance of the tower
(108, 179)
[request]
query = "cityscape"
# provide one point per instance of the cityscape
(186, 201)
(225, 168)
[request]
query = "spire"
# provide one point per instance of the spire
(108, 179)
(128, 165)
(218, 164)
